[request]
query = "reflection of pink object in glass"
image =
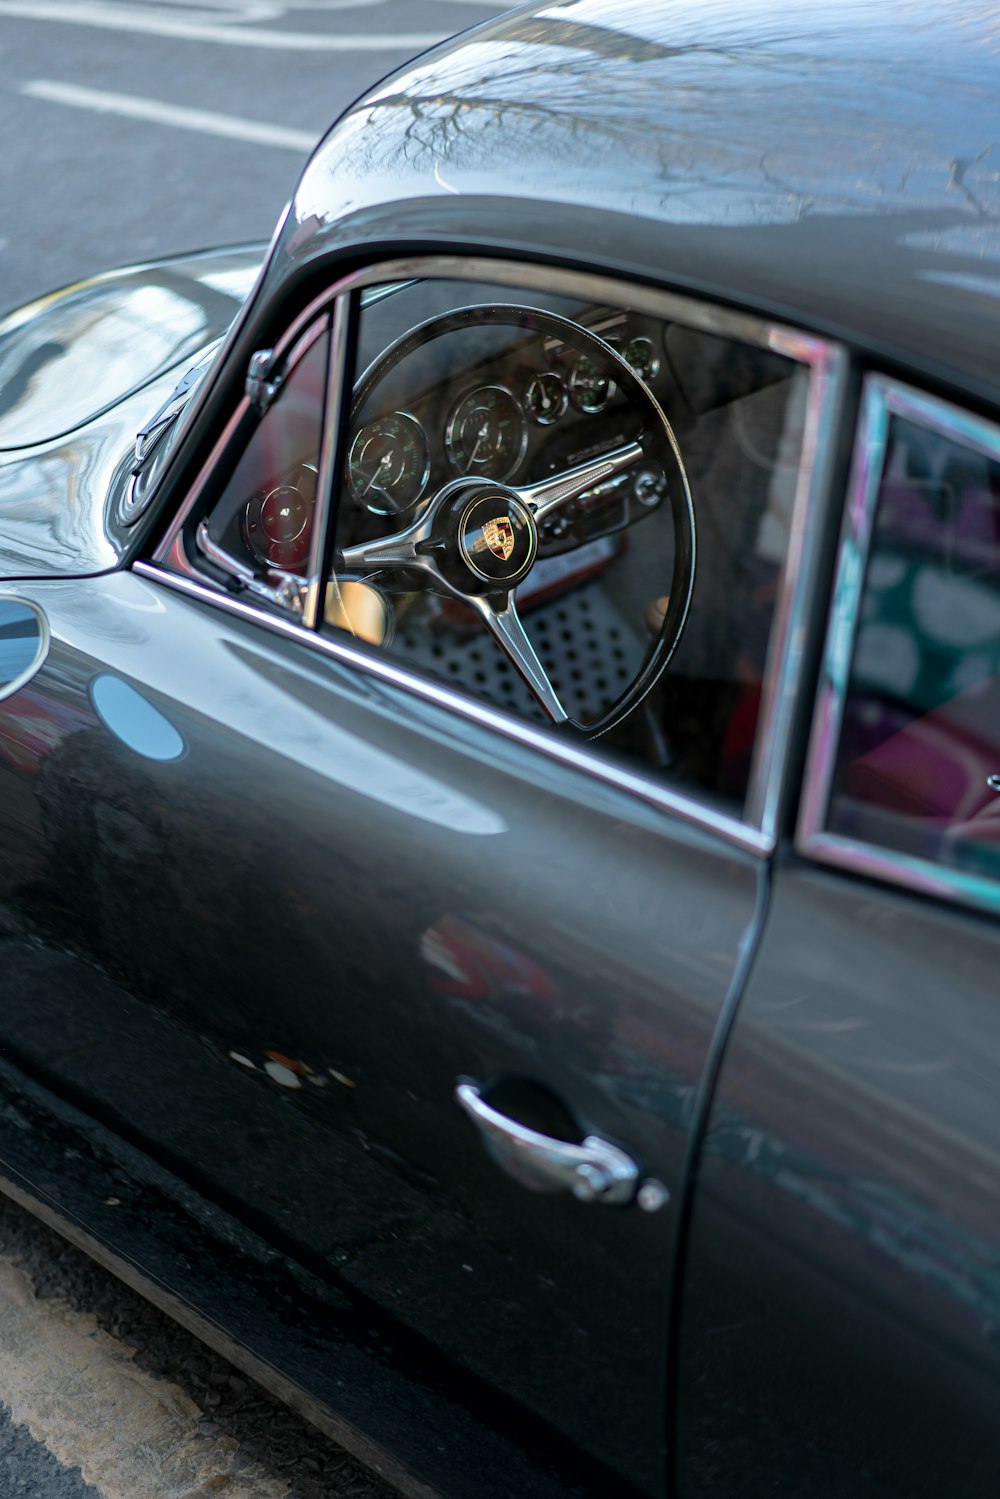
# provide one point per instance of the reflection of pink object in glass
(957, 527)
(939, 766)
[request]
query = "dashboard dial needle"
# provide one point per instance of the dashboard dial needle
(384, 462)
(481, 437)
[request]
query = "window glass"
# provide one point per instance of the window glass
(263, 517)
(918, 764)
(451, 551)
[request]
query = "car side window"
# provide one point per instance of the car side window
(917, 766)
(261, 521)
(574, 510)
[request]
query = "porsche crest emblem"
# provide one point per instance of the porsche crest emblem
(499, 537)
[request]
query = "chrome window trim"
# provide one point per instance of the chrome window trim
(336, 367)
(579, 757)
(767, 789)
(882, 398)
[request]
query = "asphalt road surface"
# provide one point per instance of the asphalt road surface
(133, 129)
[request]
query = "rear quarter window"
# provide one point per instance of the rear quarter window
(916, 768)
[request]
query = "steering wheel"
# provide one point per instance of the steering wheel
(476, 539)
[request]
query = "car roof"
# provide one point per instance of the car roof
(836, 167)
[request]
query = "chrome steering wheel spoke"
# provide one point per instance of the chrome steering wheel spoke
(547, 496)
(504, 624)
(386, 553)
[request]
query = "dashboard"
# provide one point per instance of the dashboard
(490, 427)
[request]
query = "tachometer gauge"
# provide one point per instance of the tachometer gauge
(643, 358)
(389, 464)
(486, 434)
(545, 397)
(590, 388)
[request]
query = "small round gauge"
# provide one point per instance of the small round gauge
(545, 397)
(590, 388)
(389, 464)
(277, 524)
(643, 358)
(486, 433)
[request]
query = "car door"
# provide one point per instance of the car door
(840, 1315)
(419, 984)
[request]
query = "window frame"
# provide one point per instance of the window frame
(324, 316)
(882, 399)
(756, 828)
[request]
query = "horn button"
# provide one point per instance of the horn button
(493, 540)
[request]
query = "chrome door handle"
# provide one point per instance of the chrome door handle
(595, 1171)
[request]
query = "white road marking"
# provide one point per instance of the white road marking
(497, 6)
(274, 10)
(149, 23)
(78, 1391)
(176, 115)
(249, 10)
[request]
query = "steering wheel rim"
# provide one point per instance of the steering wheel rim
(403, 548)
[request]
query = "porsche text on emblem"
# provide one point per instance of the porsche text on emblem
(499, 537)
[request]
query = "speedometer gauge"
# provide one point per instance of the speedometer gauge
(389, 464)
(486, 433)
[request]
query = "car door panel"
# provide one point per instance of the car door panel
(840, 1315)
(377, 897)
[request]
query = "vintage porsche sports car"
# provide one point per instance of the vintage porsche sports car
(500, 762)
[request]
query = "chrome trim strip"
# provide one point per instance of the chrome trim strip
(783, 670)
(882, 398)
(937, 880)
(767, 786)
(336, 368)
(588, 285)
(582, 759)
(862, 492)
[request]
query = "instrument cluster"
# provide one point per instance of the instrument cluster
(530, 407)
(489, 428)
